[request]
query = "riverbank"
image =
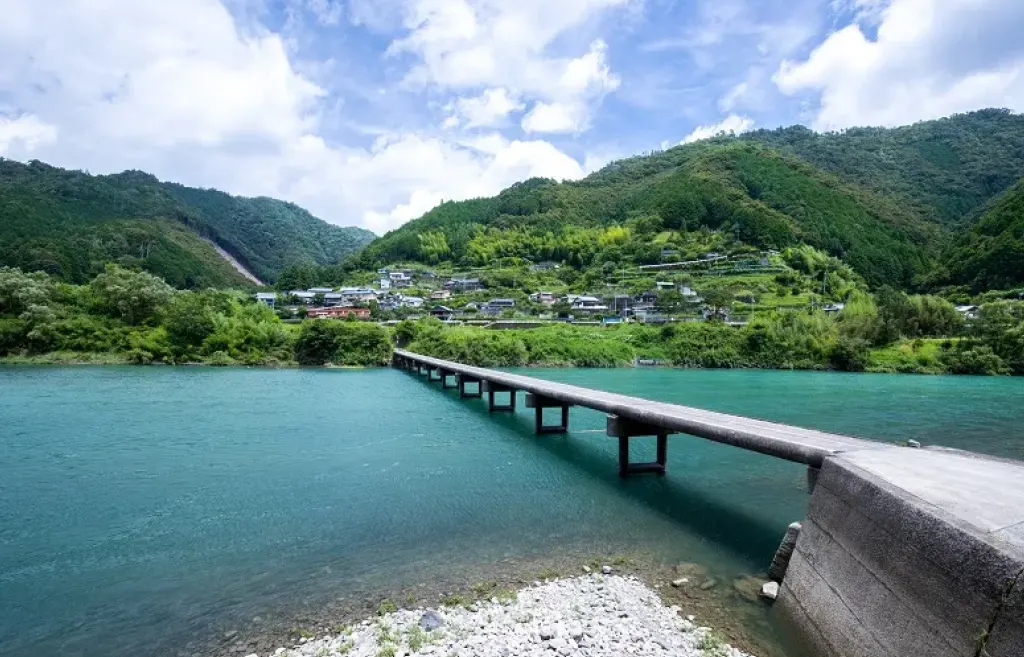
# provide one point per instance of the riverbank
(598, 614)
(617, 597)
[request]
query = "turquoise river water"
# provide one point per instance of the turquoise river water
(144, 509)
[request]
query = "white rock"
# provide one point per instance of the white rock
(770, 590)
(607, 570)
(679, 582)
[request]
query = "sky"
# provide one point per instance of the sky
(371, 112)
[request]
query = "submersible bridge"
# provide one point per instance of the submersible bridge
(904, 552)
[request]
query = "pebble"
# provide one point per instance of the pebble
(592, 615)
(607, 570)
(770, 590)
(708, 584)
(679, 582)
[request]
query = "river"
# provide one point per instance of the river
(149, 510)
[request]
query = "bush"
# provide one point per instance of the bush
(342, 343)
(850, 355)
(973, 359)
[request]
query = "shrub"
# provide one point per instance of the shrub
(342, 343)
(973, 359)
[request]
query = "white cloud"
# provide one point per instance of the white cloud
(489, 109)
(479, 44)
(21, 135)
(180, 90)
(931, 58)
(731, 124)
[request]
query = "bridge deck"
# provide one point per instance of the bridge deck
(779, 440)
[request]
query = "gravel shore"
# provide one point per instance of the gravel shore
(596, 615)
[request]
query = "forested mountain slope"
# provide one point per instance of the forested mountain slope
(991, 254)
(946, 168)
(69, 223)
(630, 213)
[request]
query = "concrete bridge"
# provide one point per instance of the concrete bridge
(904, 552)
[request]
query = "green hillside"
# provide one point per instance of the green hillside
(69, 223)
(945, 168)
(730, 196)
(991, 254)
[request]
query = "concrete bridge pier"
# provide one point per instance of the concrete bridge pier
(430, 374)
(465, 379)
(539, 403)
(624, 429)
(492, 390)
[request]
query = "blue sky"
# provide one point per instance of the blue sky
(370, 112)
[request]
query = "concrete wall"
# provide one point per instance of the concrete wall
(879, 571)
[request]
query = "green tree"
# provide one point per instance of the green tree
(132, 296)
(188, 320)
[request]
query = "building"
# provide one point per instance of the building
(412, 302)
(338, 312)
(356, 294)
(621, 303)
(440, 294)
(968, 312)
(834, 308)
(546, 298)
(498, 306)
(645, 301)
(385, 282)
(464, 285)
(267, 298)
(303, 296)
(334, 299)
(320, 290)
(664, 285)
(443, 313)
(589, 304)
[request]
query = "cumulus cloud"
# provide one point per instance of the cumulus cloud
(179, 89)
(732, 124)
(21, 135)
(491, 108)
(472, 44)
(930, 58)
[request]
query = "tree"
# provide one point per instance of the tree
(718, 299)
(19, 290)
(188, 321)
(132, 296)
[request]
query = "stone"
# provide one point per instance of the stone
(546, 632)
(679, 582)
(430, 620)
(770, 590)
(560, 646)
(914, 444)
(708, 584)
(607, 570)
(586, 569)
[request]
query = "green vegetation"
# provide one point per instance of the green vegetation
(70, 224)
(133, 316)
(991, 254)
(734, 197)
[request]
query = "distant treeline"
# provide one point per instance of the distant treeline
(135, 317)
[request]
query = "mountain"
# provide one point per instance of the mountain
(889, 202)
(69, 223)
(744, 194)
(991, 254)
(945, 168)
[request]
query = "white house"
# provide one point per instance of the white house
(412, 302)
(584, 303)
(268, 298)
(546, 298)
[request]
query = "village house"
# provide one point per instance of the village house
(589, 304)
(968, 312)
(412, 302)
(338, 312)
(645, 301)
(497, 306)
(443, 313)
(464, 285)
(385, 283)
(664, 285)
(546, 298)
(440, 294)
(267, 298)
(356, 294)
(321, 290)
(303, 296)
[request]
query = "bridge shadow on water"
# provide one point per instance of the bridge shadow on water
(715, 520)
